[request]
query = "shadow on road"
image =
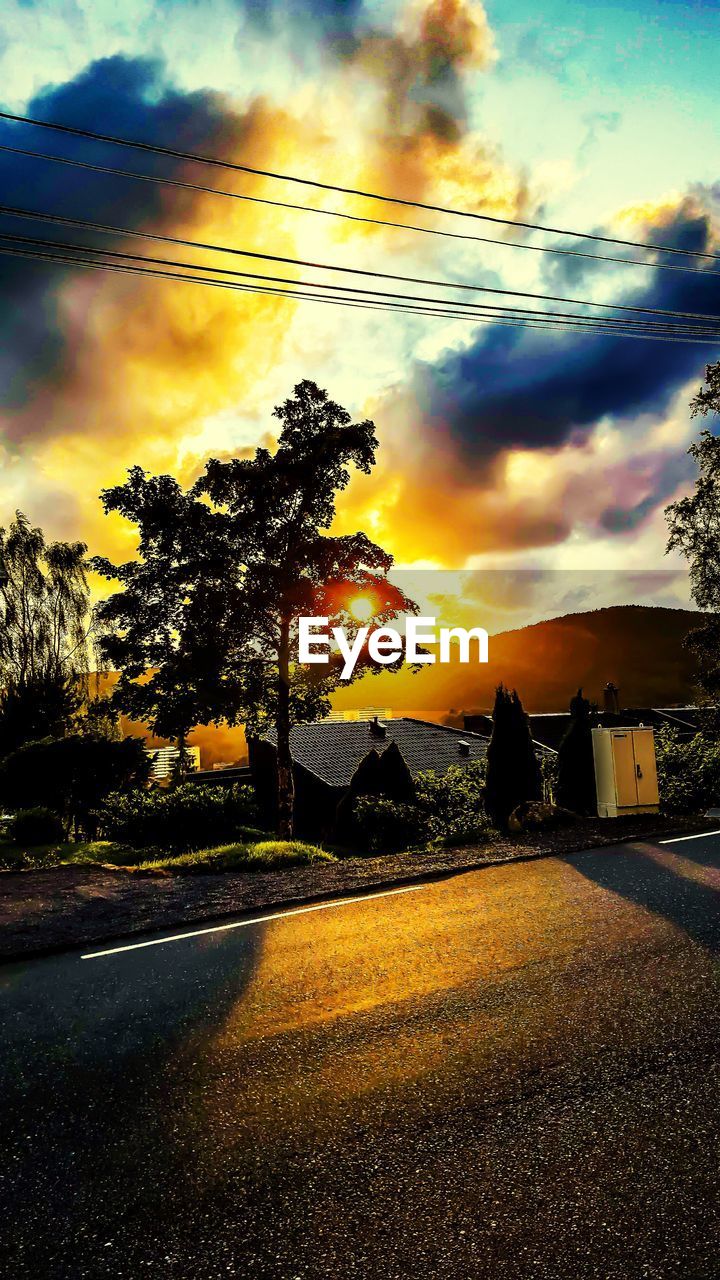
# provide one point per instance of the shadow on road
(102, 1076)
(651, 878)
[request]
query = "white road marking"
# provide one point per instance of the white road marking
(700, 836)
(244, 924)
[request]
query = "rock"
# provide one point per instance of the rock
(536, 815)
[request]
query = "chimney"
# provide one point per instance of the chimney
(377, 728)
(611, 699)
(464, 747)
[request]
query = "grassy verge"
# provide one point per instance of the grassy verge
(23, 857)
(262, 855)
(267, 855)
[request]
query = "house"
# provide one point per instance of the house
(327, 754)
(229, 775)
(164, 761)
(549, 728)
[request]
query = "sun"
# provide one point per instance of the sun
(361, 608)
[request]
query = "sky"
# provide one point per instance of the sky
(501, 449)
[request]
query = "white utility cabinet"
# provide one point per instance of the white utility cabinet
(625, 772)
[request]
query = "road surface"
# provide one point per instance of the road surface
(510, 1074)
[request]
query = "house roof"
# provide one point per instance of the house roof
(332, 750)
(549, 727)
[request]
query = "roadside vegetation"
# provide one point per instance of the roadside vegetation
(448, 810)
(688, 770)
(261, 855)
(266, 855)
(178, 819)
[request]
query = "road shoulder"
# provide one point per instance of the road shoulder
(73, 905)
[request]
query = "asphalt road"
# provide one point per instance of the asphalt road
(512, 1073)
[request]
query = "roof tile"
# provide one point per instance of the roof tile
(332, 750)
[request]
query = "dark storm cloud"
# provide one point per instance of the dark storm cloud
(521, 389)
(123, 96)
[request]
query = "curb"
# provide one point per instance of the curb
(327, 895)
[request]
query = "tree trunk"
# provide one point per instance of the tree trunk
(180, 769)
(285, 784)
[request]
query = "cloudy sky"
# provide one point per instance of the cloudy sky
(500, 448)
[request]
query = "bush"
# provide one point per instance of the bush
(688, 771)
(448, 809)
(35, 826)
(453, 805)
(389, 826)
(186, 817)
(574, 762)
(512, 768)
(72, 775)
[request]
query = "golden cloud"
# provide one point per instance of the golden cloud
(162, 373)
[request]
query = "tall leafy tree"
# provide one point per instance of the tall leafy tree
(694, 528)
(43, 633)
(204, 628)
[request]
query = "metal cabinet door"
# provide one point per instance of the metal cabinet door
(624, 768)
(645, 770)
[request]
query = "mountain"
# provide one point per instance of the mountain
(638, 647)
(641, 649)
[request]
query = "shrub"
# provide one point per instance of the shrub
(388, 825)
(72, 775)
(575, 766)
(186, 817)
(512, 769)
(448, 809)
(549, 773)
(14, 857)
(453, 805)
(688, 771)
(35, 826)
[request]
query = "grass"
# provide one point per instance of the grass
(262, 855)
(16, 857)
(266, 855)
(24, 857)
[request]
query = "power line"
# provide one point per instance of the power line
(179, 154)
(350, 217)
(64, 220)
(502, 321)
(441, 306)
(344, 301)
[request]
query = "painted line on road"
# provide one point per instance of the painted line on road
(244, 924)
(700, 836)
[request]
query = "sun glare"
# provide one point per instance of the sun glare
(361, 608)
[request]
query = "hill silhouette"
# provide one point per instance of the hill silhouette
(639, 648)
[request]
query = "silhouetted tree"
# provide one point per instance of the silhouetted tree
(204, 628)
(576, 769)
(43, 633)
(512, 769)
(694, 525)
(396, 780)
(72, 775)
